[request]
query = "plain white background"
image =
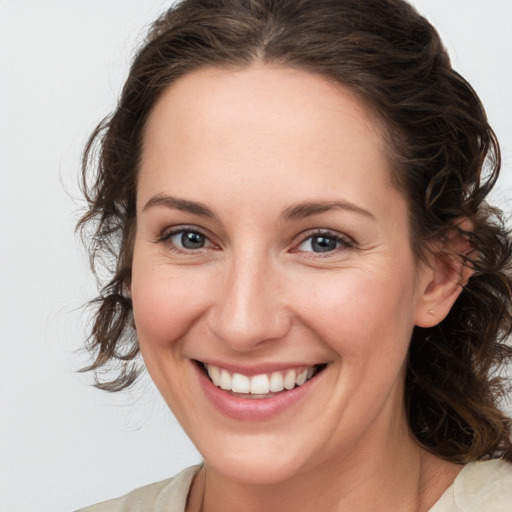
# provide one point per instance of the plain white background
(64, 444)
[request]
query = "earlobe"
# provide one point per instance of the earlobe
(445, 277)
(439, 294)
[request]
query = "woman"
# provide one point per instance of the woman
(294, 191)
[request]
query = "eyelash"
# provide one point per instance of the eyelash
(342, 242)
(166, 236)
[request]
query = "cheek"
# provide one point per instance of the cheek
(361, 314)
(167, 304)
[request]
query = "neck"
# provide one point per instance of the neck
(397, 476)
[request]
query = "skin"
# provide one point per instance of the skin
(249, 144)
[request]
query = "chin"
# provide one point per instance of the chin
(255, 469)
(259, 460)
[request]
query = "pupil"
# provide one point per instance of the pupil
(191, 240)
(323, 244)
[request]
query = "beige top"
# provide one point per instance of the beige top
(479, 487)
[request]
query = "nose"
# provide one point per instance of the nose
(250, 309)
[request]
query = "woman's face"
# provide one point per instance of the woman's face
(271, 246)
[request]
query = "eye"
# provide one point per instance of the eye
(191, 240)
(323, 242)
(186, 239)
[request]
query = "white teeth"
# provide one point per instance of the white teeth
(260, 385)
(214, 374)
(240, 383)
(225, 380)
(276, 382)
(301, 378)
(289, 379)
(263, 384)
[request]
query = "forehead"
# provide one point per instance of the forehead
(204, 98)
(244, 130)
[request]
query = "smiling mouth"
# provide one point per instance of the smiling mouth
(265, 385)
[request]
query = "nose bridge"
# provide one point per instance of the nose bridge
(249, 310)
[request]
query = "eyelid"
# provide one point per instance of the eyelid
(347, 242)
(171, 231)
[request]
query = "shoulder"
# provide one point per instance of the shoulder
(484, 485)
(166, 496)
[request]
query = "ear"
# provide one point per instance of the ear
(443, 278)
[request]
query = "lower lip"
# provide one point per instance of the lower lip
(252, 408)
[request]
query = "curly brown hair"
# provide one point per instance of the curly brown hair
(445, 160)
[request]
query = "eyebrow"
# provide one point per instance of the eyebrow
(293, 212)
(309, 208)
(179, 204)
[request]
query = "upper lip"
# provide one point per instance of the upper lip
(257, 369)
